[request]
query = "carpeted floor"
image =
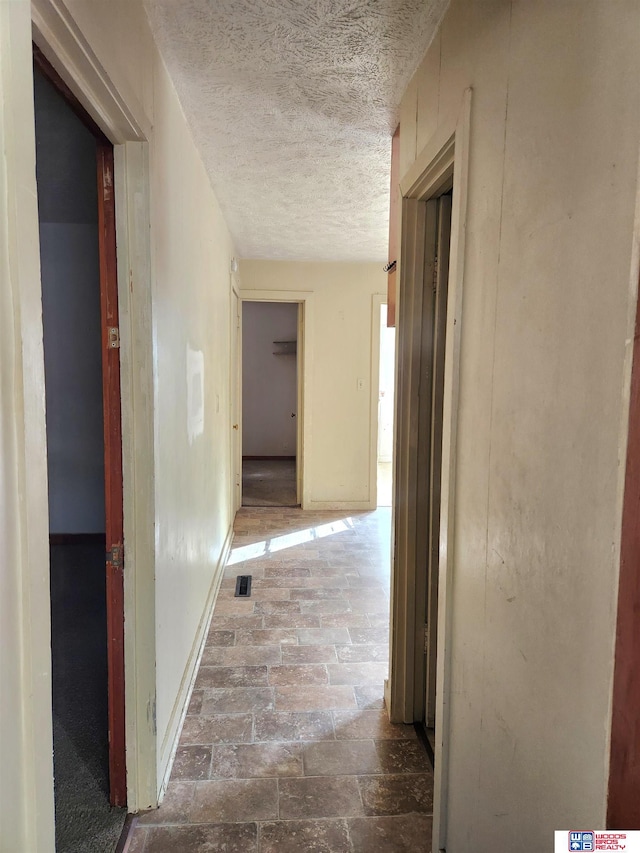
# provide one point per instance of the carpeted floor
(85, 822)
(269, 482)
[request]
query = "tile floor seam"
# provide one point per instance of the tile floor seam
(146, 838)
(360, 795)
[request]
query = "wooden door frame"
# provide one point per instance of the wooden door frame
(446, 155)
(623, 802)
(114, 497)
(122, 120)
(304, 300)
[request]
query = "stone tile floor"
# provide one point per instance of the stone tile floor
(286, 745)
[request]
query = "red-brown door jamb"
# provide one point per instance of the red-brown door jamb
(112, 473)
(623, 808)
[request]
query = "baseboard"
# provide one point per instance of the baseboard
(354, 506)
(424, 740)
(77, 538)
(266, 458)
(126, 836)
(179, 712)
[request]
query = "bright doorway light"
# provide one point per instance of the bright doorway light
(386, 395)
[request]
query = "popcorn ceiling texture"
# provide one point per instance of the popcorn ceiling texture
(292, 104)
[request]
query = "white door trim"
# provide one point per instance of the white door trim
(131, 170)
(304, 298)
(449, 446)
(26, 739)
(115, 110)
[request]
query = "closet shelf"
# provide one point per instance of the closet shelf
(285, 347)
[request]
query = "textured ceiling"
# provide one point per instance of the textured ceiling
(292, 104)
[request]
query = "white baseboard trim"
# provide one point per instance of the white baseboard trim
(355, 506)
(179, 712)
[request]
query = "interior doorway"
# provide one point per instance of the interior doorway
(74, 170)
(420, 402)
(434, 193)
(386, 402)
(270, 403)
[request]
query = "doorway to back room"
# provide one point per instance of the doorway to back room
(270, 403)
(74, 171)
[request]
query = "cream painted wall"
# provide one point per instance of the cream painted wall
(548, 305)
(192, 252)
(338, 418)
(190, 257)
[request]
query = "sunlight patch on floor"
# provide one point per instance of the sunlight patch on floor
(288, 540)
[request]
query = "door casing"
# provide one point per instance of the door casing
(444, 158)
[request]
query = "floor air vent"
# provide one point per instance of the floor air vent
(243, 586)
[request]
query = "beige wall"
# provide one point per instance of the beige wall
(548, 298)
(191, 254)
(338, 417)
(188, 345)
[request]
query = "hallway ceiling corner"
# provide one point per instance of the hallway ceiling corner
(292, 104)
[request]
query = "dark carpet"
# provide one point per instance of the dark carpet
(269, 482)
(85, 822)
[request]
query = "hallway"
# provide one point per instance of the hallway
(286, 746)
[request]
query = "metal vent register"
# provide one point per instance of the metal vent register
(243, 586)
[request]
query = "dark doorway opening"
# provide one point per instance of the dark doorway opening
(74, 165)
